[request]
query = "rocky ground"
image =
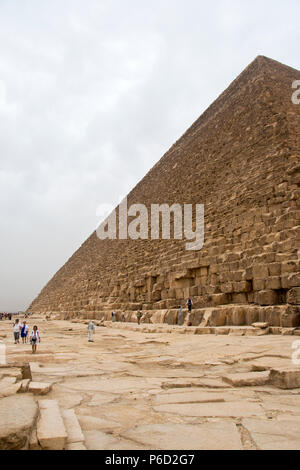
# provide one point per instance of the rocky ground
(152, 390)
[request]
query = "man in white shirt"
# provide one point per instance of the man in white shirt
(17, 328)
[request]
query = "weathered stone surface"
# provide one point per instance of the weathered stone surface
(39, 388)
(220, 435)
(18, 415)
(51, 431)
(228, 409)
(287, 378)
(294, 296)
(249, 379)
(9, 387)
(274, 435)
(131, 378)
(73, 428)
(76, 446)
(189, 397)
(261, 325)
(33, 441)
(24, 385)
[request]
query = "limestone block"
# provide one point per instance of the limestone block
(226, 288)
(275, 269)
(259, 284)
(267, 297)
(261, 325)
(294, 280)
(251, 315)
(51, 431)
(260, 271)
(274, 435)
(72, 426)
(249, 379)
(220, 299)
(286, 379)
(39, 388)
(239, 298)
(18, 415)
(294, 296)
(218, 435)
(273, 283)
(289, 267)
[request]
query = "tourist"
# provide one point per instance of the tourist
(180, 316)
(91, 331)
(113, 316)
(123, 317)
(34, 338)
(17, 328)
(24, 332)
(189, 304)
(139, 317)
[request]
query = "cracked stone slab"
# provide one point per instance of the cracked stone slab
(234, 409)
(220, 435)
(273, 434)
(188, 397)
(18, 415)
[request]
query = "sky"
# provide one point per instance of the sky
(92, 94)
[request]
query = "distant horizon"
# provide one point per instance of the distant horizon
(96, 95)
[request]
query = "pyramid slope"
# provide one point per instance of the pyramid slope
(240, 159)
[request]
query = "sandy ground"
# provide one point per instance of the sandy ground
(133, 390)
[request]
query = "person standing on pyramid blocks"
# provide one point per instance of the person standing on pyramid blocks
(189, 304)
(180, 316)
(91, 331)
(139, 316)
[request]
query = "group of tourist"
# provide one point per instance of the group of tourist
(6, 316)
(139, 314)
(21, 330)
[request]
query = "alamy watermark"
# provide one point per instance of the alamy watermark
(155, 224)
(2, 353)
(296, 94)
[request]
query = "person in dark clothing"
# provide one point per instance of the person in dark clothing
(189, 304)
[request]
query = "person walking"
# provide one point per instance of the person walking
(139, 317)
(34, 338)
(24, 332)
(17, 328)
(91, 331)
(123, 317)
(180, 316)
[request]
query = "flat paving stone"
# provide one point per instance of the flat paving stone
(274, 435)
(189, 397)
(221, 435)
(234, 409)
(72, 427)
(51, 431)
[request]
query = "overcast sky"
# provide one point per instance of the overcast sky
(92, 93)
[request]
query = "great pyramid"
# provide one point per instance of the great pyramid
(241, 160)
